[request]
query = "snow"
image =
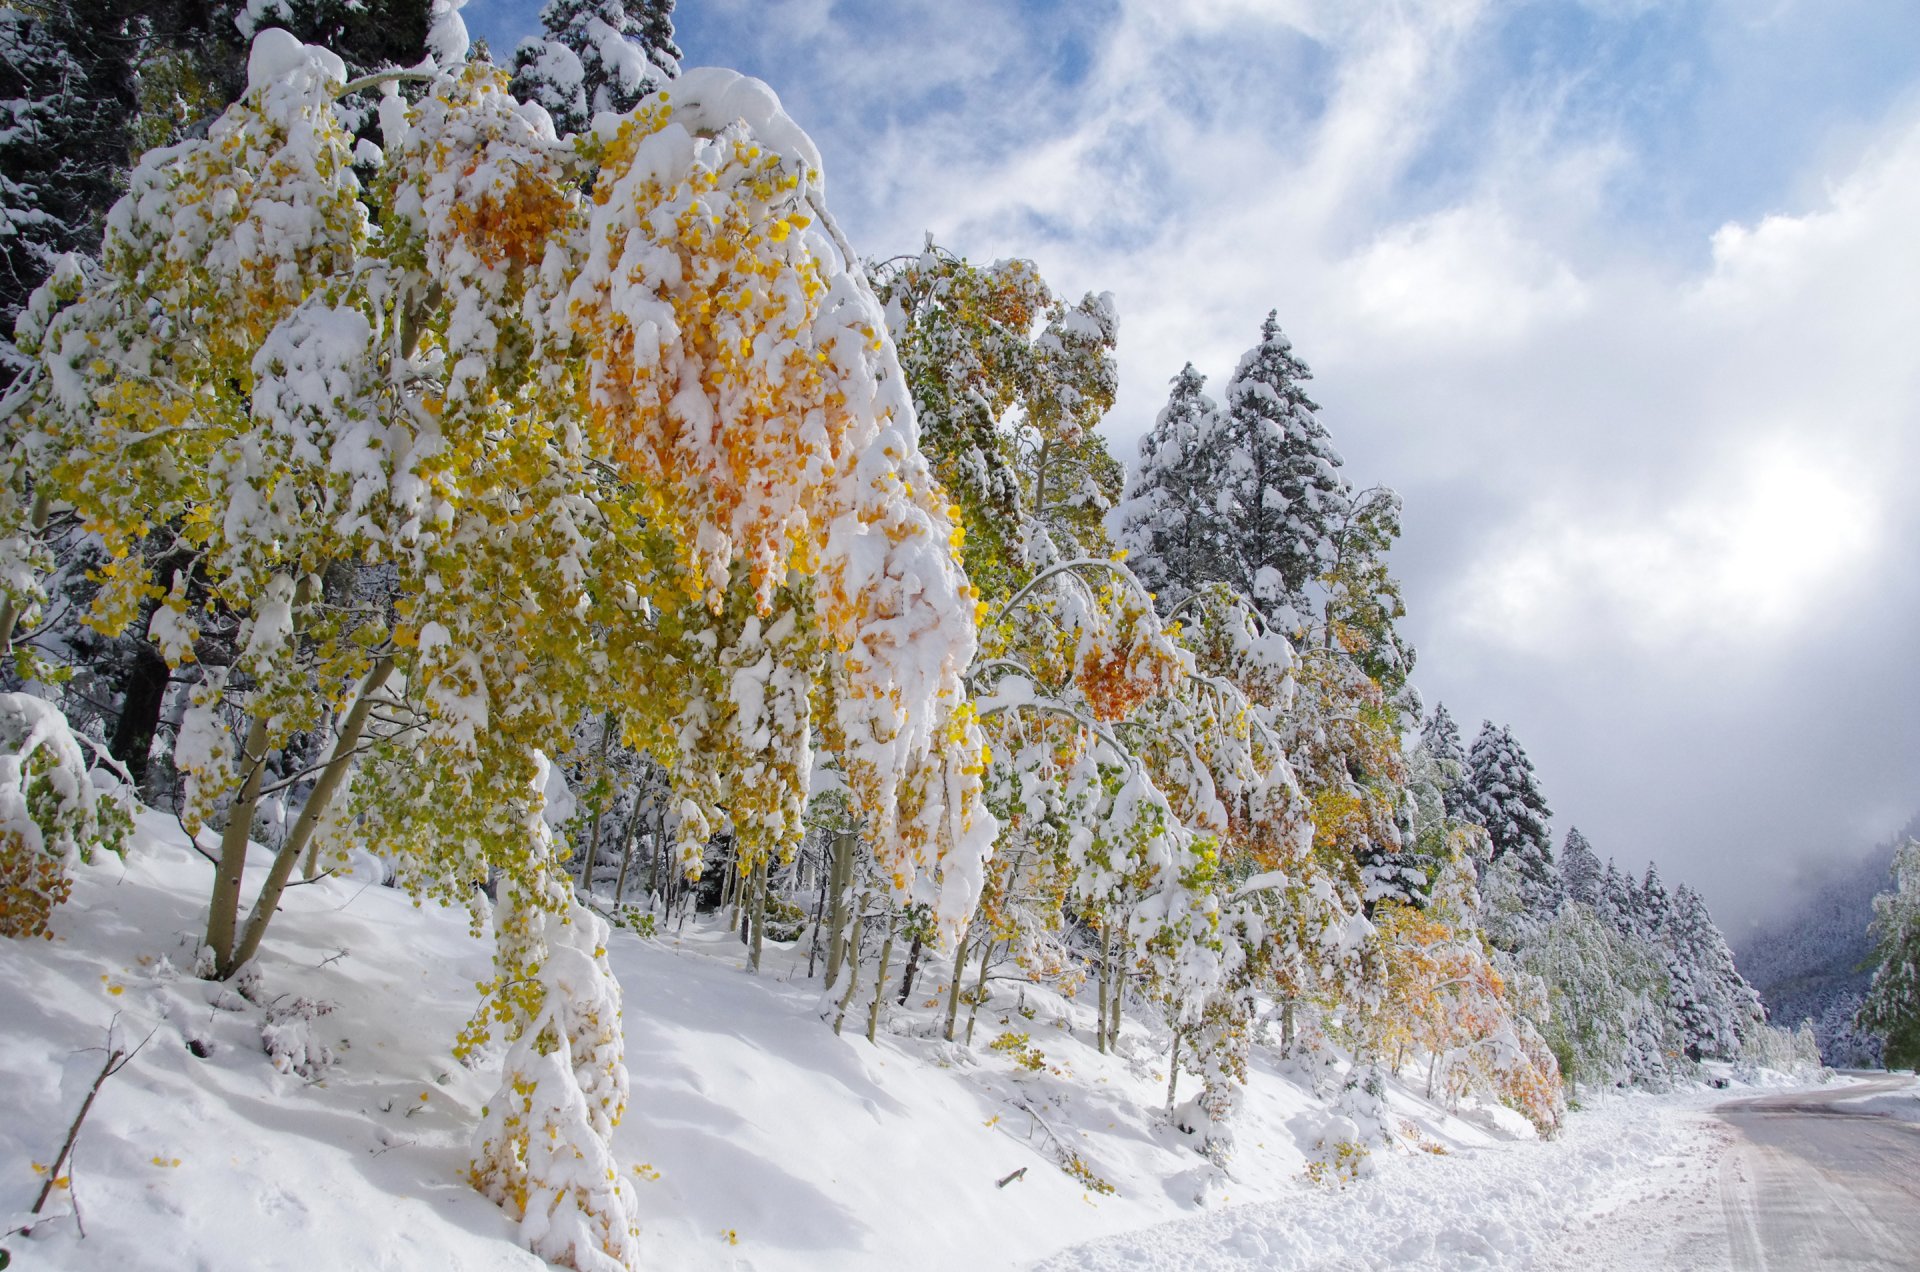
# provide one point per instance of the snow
(1901, 1106)
(318, 1102)
(1494, 1205)
(277, 56)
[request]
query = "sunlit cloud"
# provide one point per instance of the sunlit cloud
(1778, 535)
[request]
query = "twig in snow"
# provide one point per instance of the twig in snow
(117, 1060)
(1018, 1174)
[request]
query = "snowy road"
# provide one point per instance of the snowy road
(1799, 1180)
(1813, 1183)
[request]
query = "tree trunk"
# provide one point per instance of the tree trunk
(759, 914)
(146, 693)
(324, 790)
(1173, 1070)
(913, 966)
(223, 910)
(627, 842)
(1100, 1006)
(593, 827)
(880, 980)
(953, 990)
(842, 879)
(819, 911)
(853, 971)
(980, 987)
(659, 848)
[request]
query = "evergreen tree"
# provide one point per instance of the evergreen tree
(1714, 1006)
(1504, 797)
(1652, 907)
(1171, 524)
(1580, 875)
(1440, 738)
(66, 95)
(1249, 495)
(1892, 1007)
(1363, 602)
(595, 55)
(1281, 489)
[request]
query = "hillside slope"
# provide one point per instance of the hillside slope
(1814, 962)
(760, 1139)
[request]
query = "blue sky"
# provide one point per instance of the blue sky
(1620, 294)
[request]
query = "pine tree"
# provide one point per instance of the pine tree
(1715, 1007)
(1440, 738)
(66, 95)
(1171, 524)
(1249, 495)
(595, 55)
(1504, 797)
(1652, 906)
(1282, 489)
(1892, 1007)
(1580, 875)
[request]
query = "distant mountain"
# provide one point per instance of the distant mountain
(1814, 962)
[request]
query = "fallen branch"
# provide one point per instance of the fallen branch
(117, 1060)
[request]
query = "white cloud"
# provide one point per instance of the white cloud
(1753, 551)
(1463, 277)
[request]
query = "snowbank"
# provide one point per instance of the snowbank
(317, 1108)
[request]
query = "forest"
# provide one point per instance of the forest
(508, 469)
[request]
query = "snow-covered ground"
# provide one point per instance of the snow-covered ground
(1492, 1206)
(1901, 1106)
(760, 1139)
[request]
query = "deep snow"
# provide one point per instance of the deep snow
(759, 1139)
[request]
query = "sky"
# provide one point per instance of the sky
(1623, 296)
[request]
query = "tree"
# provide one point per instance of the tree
(1282, 485)
(468, 479)
(1009, 382)
(1607, 993)
(1171, 525)
(1892, 1006)
(1504, 797)
(1266, 469)
(595, 56)
(66, 95)
(1716, 1009)
(1580, 877)
(51, 814)
(1440, 738)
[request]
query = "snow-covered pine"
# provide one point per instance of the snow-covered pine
(1440, 738)
(1504, 796)
(1247, 494)
(1170, 522)
(1892, 1006)
(1280, 490)
(1716, 1009)
(1580, 877)
(595, 56)
(64, 105)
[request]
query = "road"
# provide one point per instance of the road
(1809, 1183)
